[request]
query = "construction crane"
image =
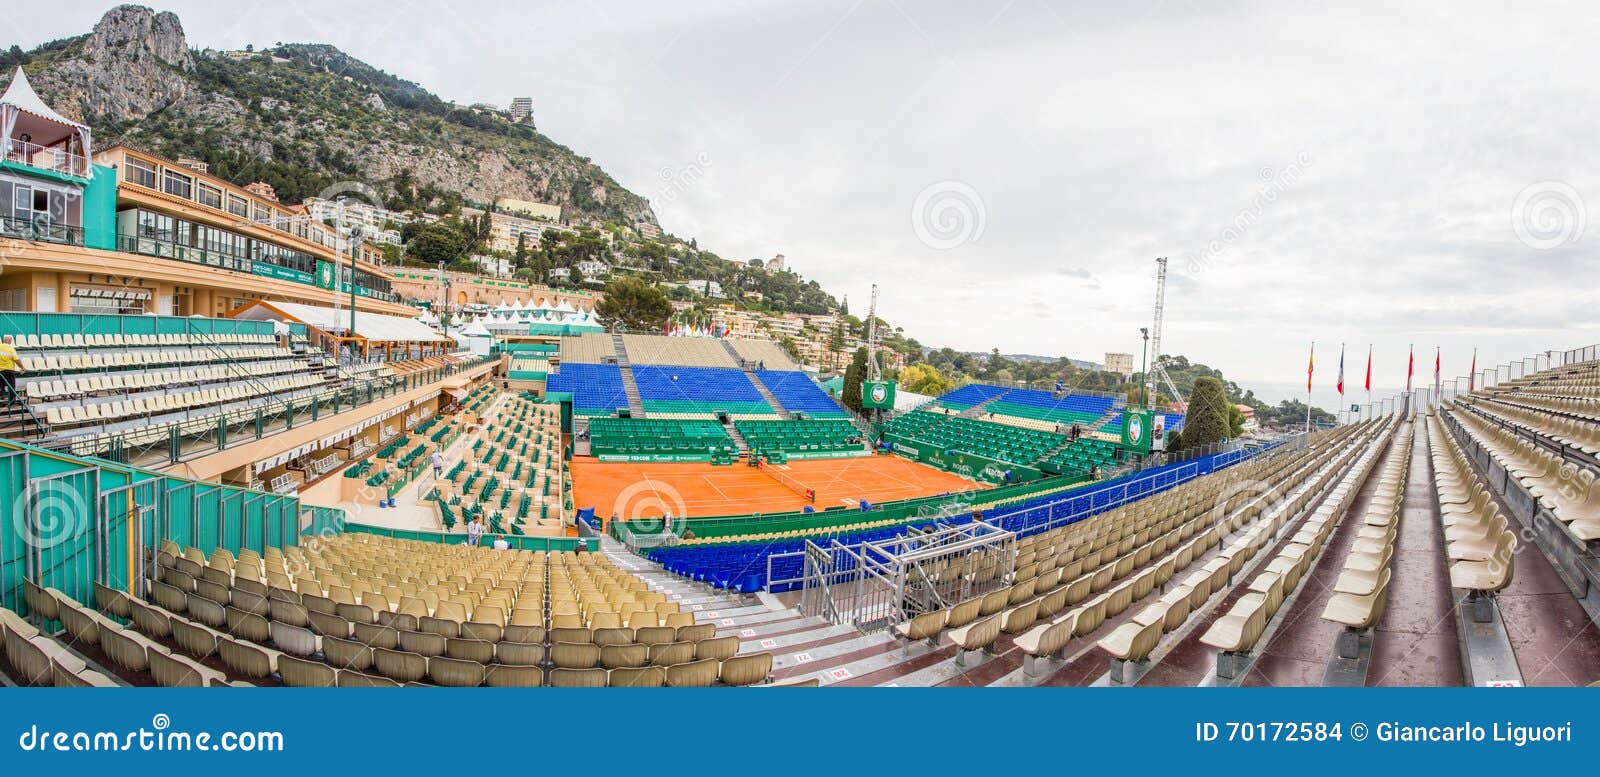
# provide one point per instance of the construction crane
(873, 373)
(1157, 371)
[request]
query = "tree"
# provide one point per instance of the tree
(631, 303)
(1207, 419)
(853, 375)
(924, 378)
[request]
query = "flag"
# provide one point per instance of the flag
(1472, 377)
(1369, 369)
(1439, 381)
(1311, 367)
(1411, 367)
(1341, 371)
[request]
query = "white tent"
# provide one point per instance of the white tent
(23, 113)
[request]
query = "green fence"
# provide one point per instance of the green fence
(517, 542)
(833, 517)
(73, 522)
(77, 323)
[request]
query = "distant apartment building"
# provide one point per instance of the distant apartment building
(196, 165)
(1120, 363)
(260, 189)
(460, 289)
(346, 214)
(647, 230)
(529, 208)
(593, 268)
(522, 109)
(507, 231)
(498, 266)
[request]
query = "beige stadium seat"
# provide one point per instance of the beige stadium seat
(746, 670)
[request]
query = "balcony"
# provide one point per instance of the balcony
(41, 230)
(54, 159)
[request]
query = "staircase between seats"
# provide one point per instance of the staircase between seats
(629, 387)
(749, 368)
(977, 410)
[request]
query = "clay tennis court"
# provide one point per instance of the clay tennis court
(645, 490)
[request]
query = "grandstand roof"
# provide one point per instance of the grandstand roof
(369, 326)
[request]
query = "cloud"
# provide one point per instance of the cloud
(1111, 136)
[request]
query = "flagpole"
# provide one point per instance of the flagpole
(1311, 367)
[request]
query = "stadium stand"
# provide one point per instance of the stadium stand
(633, 439)
(766, 353)
(596, 389)
(364, 610)
(1050, 410)
(677, 351)
(511, 475)
(1081, 457)
(697, 392)
(970, 395)
(802, 439)
(990, 440)
(96, 384)
(798, 393)
(588, 348)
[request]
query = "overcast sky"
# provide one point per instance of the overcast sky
(1008, 171)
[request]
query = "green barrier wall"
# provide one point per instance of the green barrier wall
(963, 463)
(75, 521)
(907, 510)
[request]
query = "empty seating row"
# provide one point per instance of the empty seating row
(60, 416)
(99, 361)
(79, 340)
(1361, 592)
(45, 390)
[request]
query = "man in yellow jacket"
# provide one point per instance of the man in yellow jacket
(9, 369)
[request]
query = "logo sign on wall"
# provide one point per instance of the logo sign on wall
(1138, 428)
(878, 395)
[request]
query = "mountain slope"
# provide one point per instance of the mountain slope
(305, 117)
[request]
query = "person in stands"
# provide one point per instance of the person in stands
(438, 465)
(475, 531)
(500, 542)
(9, 369)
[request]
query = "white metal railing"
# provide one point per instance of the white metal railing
(45, 158)
(359, 447)
(284, 484)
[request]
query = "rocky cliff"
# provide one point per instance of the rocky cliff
(304, 117)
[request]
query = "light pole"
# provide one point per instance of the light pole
(1144, 367)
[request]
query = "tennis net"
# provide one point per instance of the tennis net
(784, 478)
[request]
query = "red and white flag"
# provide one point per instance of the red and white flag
(1472, 377)
(1341, 371)
(1411, 367)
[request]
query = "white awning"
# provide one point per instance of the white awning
(372, 326)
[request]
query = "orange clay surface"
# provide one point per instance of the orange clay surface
(645, 490)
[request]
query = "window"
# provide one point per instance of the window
(238, 206)
(210, 196)
(261, 214)
(177, 184)
(141, 172)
